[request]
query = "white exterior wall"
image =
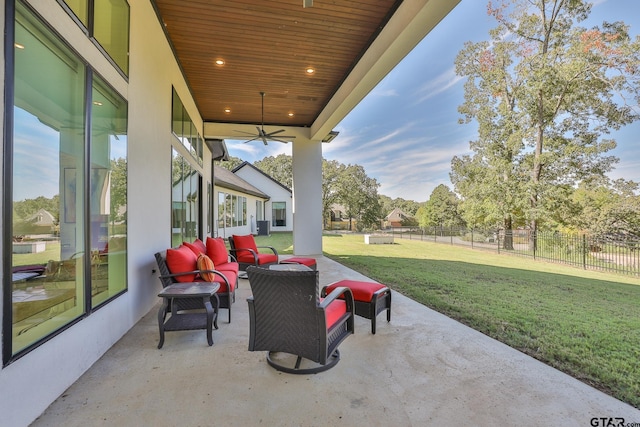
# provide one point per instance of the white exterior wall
(276, 192)
(31, 383)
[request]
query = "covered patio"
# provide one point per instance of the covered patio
(423, 368)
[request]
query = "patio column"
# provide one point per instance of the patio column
(307, 197)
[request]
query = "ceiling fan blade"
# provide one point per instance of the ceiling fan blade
(282, 136)
(252, 139)
(275, 132)
(264, 139)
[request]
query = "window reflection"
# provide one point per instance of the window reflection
(49, 187)
(108, 194)
(185, 201)
(48, 171)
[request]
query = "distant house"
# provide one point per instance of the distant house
(41, 222)
(238, 205)
(278, 207)
(396, 218)
(42, 218)
(339, 220)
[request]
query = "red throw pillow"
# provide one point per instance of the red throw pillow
(198, 247)
(182, 260)
(205, 263)
(217, 250)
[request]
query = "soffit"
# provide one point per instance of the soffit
(267, 45)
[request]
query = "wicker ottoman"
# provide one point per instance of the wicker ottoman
(309, 262)
(369, 298)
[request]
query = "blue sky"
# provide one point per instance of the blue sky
(406, 131)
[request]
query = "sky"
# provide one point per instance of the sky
(405, 132)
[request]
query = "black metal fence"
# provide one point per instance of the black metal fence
(615, 253)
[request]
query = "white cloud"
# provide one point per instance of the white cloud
(441, 83)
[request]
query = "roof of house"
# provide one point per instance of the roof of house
(42, 217)
(227, 179)
(245, 164)
(397, 215)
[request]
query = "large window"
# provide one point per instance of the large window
(64, 262)
(279, 214)
(108, 192)
(232, 210)
(110, 26)
(185, 201)
(184, 129)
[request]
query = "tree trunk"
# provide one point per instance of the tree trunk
(508, 234)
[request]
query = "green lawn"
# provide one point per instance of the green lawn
(584, 323)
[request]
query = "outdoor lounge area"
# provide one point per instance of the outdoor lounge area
(422, 368)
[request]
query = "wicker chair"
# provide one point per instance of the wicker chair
(288, 319)
(244, 249)
(226, 296)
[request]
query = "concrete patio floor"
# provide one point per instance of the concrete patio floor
(421, 369)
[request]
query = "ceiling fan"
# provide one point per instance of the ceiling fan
(267, 136)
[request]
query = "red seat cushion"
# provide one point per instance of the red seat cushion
(228, 266)
(334, 311)
(198, 247)
(266, 259)
(300, 260)
(205, 263)
(362, 291)
(231, 277)
(217, 250)
(182, 260)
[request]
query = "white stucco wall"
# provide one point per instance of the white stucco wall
(31, 383)
(275, 191)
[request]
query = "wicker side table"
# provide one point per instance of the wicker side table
(189, 320)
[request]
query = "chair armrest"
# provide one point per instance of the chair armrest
(184, 273)
(219, 273)
(255, 255)
(197, 273)
(275, 252)
(338, 292)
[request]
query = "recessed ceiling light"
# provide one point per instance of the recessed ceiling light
(290, 114)
(18, 46)
(220, 61)
(310, 70)
(98, 103)
(227, 110)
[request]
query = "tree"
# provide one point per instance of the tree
(232, 163)
(359, 195)
(118, 189)
(279, 168)
(331, 171)
(607, 209)
(544, 92)
(441, 209)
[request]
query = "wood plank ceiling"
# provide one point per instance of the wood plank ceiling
(267, 46)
